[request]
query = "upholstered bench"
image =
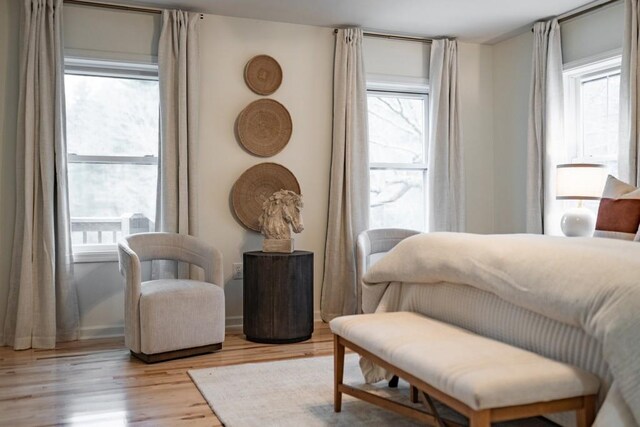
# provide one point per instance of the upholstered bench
(483, 379)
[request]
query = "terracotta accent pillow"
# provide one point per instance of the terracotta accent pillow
(619, 211)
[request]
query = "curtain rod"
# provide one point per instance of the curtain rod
(115, 6)
(394, 37)
(584, 10)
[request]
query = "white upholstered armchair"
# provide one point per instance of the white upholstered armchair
(371, 245)
(171, 318)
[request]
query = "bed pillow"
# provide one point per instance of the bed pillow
(619, 211)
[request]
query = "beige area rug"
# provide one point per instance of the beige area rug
(299, 392)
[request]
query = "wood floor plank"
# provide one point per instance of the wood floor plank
(98, 382)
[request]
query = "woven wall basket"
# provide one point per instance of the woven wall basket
(264, 127)
(255, 186)
(263, 74)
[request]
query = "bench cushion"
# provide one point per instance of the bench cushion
(478, 371)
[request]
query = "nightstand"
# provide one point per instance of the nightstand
(278, 296)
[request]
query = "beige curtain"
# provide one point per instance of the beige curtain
(42, 306)
(546, 130)
(446, 160)
(349, 187)
(629, 154)
(178, 63)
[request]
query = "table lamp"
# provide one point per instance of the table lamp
(579, 181)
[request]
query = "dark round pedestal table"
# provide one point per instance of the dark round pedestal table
(278, 296)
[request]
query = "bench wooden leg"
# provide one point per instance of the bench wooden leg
(480, 418)
(338, 372)
(587, 414)
(432, 408)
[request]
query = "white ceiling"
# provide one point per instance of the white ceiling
(480, 21)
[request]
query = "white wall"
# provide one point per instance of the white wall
(100, 299)
(511, 80)
(9, 72)
(476, 98)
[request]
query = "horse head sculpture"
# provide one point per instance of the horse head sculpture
(280, 213)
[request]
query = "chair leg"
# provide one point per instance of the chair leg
(393, 382)
(338, 372)
(587, 414)
(414, 394)
(480, 419)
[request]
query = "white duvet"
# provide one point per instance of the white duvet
(589, 283)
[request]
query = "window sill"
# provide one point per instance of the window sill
(102, 255)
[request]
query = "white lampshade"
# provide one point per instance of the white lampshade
(580, 181)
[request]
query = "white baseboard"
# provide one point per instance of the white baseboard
(95, 332)
(233, 325)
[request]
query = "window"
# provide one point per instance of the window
(398, 133)
(592, 95)
(112, 114)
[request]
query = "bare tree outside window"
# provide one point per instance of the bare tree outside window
(397, 138)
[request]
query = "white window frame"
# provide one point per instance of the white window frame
(573, 77)
(116, 69)
(408, 90)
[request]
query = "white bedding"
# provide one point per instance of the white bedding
(582, 296)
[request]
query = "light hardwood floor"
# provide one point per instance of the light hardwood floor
(97, 382)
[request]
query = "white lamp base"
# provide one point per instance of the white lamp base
(578, 222)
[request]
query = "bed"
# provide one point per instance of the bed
(574, 300)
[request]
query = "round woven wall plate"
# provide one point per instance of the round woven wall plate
(263, 74)
(264, 127)
(255, 186)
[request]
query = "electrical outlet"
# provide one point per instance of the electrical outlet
(237, 270)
